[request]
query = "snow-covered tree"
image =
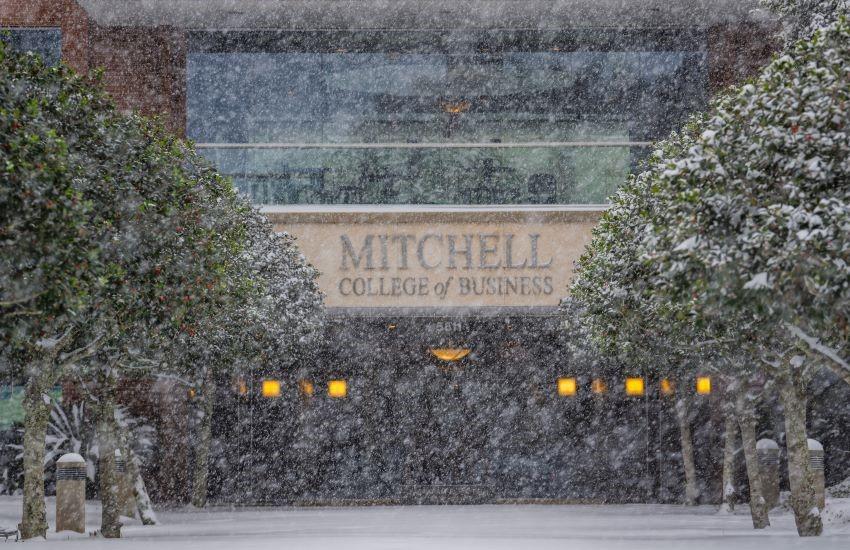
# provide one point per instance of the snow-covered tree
(119, 244)
(614, 282)
(58, 217)
(272, 318)
(761, 228)
(192, 248)
(801, 18)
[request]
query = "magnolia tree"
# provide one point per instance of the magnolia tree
(58, 219)
(274, 318)
(677, 291)
(174, 255)
(613, 284)
(770, 177)
(119, 245)
(736, 240)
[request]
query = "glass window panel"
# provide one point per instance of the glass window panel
(45, 42)
(432, 88)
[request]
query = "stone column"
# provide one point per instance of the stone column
(126, 498)
(768, 455)
(71, 493)
(817, 473)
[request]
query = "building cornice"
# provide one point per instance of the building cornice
(420, 14)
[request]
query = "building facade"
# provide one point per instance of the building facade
(442, 164)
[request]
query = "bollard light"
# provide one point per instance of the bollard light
(816, 468)
(598, 386)
(271, 388)
(667, 387)
(71, 493)
(567, 386)
(337, 389)
(126, 498)
(634, 386)
(767, 451)
(241, 386)
(703, 385)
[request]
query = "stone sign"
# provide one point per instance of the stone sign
(441, 259)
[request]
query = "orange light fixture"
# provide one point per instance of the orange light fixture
(703, 385)
(271, 388)
(450, 354)
(455, 107)
(634, 386)
(598, 386)
(667, 387)
(306, 388)
(337, 388)
(192, 393)
(567, 386)
(241, 386)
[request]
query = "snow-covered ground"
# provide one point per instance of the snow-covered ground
(526, 527)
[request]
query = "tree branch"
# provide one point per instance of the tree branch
(838, 365)
(16, 301)
(80, 353)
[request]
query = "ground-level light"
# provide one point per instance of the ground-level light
(271, 388)
(567, 386)
(598, 386)
(306, 388)
(666, 386)
(634, 386)
(703, 385)
(337, 388)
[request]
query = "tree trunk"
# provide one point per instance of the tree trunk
(110, 519)
(140, 491)
(143, 501)
(691, 489)
(202, 453)
(36, 405)
(806, 513)
(747, 423)
(728, 501)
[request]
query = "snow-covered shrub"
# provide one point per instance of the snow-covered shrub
(801, 18)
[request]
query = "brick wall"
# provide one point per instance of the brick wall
(144, 70)
(737, 52)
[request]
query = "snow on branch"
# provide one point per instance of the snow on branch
(816, 345)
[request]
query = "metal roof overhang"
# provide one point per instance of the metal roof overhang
(420, 14)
